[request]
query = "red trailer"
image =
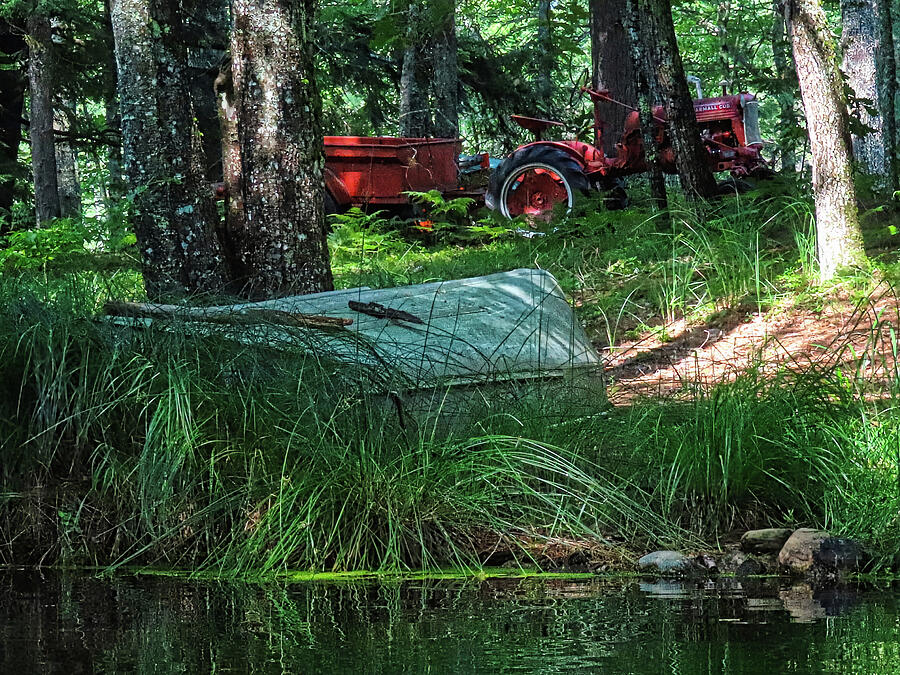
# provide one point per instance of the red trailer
(362, 171)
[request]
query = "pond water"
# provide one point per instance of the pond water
(75, 624)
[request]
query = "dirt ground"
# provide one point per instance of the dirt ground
(860, 336)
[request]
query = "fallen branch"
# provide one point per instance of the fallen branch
(226, 315)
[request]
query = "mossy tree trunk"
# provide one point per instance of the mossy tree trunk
(174, 213)
(612, 66)
(645, 102)
(446, 71)
(111, 113)
(67, 178)
(40, 118)
(838, 234)
(886, 73)
(860, 26)
(691, 159)
(415, 117)
(278, 111)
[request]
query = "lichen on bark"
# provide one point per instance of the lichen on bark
(280, 239)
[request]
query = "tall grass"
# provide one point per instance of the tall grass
(162, 445)
(166, 446)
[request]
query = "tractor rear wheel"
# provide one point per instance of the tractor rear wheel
(532, 181)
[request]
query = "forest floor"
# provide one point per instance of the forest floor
(843, 332)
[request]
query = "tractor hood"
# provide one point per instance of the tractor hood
(721, 107)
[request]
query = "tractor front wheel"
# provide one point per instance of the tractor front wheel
(532, 181)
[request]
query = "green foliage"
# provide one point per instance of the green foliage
(64, 239)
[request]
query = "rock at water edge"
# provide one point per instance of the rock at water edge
(797, 554)
(665, 562)
(769, 540)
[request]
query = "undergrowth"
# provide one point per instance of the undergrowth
(170, 447)
(163, 446)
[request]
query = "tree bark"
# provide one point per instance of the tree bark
(12, 102)
(838, 235)
(887, 91)
(175, 215)
(414, 108)
(278, 109)
(612, 66)
(859, 44)
(111, 113)
(66, 166)
(635, 39)
(231, 235)
(43, 150)
(446, 73)
(691, 161)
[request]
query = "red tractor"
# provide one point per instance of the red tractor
(538, 176)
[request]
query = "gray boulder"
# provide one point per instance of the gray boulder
(666, 563)
(769, 540)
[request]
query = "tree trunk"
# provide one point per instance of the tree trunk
(887, 91)
(278, 111)
(859, 44)
(838, 235)
(12, 102)
(43, 151)
(111, 113)
(785, 86)
(691, 158)
(66, 166)
(175, 216)
(635, 40)
(446, 74)
(231, 236)
(612, 67)
(414, 108)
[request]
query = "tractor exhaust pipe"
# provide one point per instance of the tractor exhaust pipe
(694, 80)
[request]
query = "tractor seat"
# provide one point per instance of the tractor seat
(535, 125)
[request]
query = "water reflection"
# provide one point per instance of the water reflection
(152, 625)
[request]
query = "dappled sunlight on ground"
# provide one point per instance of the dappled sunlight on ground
(857, 336)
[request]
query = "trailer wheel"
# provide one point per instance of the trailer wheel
(534, 180)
